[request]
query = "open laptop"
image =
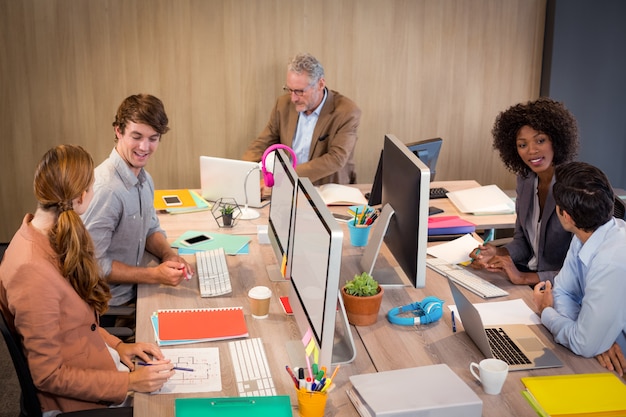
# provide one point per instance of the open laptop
(231, 178)
(524, 340)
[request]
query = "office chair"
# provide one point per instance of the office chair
(619, 211)
(29, 402)
(107, 321)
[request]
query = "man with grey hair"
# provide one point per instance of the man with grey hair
(319, 124)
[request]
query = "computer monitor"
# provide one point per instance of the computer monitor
(426, 150)
(280, 223)
(315, 253)
(403, 223)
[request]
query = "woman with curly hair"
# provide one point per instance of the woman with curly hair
(52, 294)
(532, 139)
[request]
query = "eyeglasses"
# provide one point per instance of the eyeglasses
(296, 92)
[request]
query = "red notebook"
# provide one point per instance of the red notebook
(202, 324)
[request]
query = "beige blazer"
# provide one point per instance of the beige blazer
(331, 158)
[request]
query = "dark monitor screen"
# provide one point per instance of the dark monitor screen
(404, 219)
(426, 150)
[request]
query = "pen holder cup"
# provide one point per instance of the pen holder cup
(358, 233)
(311, 404)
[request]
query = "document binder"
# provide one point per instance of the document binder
(275, 406)
(576, 395)
(428, 391)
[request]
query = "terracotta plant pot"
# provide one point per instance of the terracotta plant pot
(362, 311)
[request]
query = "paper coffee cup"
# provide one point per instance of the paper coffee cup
(259, 301)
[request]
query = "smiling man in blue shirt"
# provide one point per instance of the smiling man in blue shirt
(122, 220)
(585, 311)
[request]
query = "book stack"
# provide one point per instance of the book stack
(183, 201)
(576, 395)
(182, 326)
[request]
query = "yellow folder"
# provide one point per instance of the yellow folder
(184, 197)
(576, 395)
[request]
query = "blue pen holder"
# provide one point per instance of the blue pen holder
(359, 234)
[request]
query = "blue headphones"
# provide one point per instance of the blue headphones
(429, 310)
(268, 177)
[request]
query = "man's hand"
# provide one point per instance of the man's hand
(613, 359)
(542, 295)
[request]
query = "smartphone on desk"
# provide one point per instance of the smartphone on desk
(196, 240)
(172, 200)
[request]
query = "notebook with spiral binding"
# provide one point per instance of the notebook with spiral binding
(178, 326)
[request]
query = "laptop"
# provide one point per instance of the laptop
(527, 350)
(231, 178)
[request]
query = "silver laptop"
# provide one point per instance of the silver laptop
(231, 178)
(518, 346)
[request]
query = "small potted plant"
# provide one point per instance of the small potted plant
(226, 211)
(362, 297)
(227, 214)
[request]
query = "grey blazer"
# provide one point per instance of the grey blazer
(554, 241)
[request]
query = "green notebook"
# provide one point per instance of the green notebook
(275, 406)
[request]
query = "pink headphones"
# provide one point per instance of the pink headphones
(268, 177)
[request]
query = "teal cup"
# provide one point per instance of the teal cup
(359, 233)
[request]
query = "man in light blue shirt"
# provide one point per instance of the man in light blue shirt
(585, 311)
(121, 218)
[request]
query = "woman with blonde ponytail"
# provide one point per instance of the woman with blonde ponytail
(52, 294)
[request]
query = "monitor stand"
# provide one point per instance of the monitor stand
(344, 350)
(386, 277)
(274, 274)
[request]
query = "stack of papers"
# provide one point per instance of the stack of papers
(181, 326)
(485, 200)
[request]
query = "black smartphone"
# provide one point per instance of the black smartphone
(196, 240)
(172, 200)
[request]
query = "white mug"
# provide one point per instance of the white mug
(491, 374)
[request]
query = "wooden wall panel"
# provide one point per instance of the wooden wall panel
(417, 68)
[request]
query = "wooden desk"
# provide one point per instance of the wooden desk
(380, 347)
(246, 271)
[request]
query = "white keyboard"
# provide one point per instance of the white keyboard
(252, 372)
(465, 278)
(213, 275)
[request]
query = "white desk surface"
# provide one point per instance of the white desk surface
(380, 347)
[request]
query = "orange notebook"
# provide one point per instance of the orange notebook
(202, 324)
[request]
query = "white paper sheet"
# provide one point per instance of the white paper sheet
(454, 251)
(206, 375)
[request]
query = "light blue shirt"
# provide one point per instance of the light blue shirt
(120, 218)
(304, 132)
(589, 312)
